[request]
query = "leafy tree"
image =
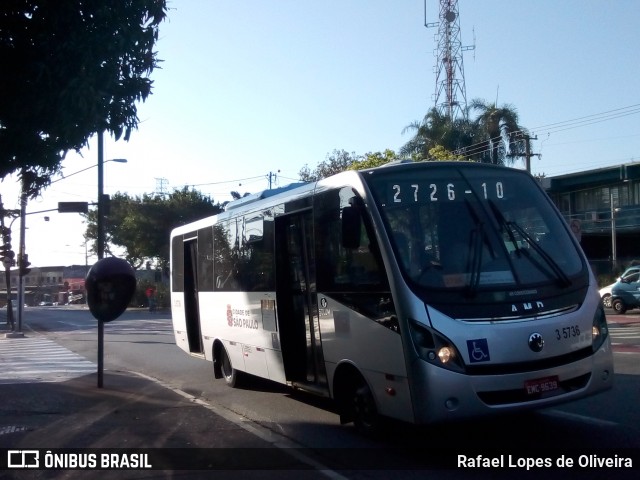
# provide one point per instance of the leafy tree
(374, 159)
(338, 161)
(341, 160)
(70, 69)
(440, 153)
(141, 225)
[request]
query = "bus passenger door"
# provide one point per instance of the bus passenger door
(297, 302)
(191, 307)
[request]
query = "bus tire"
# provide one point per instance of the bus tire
(230, 374)
(363, 409)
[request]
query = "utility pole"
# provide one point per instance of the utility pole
(527, 151)
(272, 178)
(7, 261)
(614, 254)
(22, 259)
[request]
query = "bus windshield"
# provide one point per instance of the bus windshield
(457, 226)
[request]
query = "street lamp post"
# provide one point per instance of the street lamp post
(614, 252)
(101, 242)
(100, 252)
(21, 256)
(101, 196)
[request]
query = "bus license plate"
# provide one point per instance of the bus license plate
(539, 386)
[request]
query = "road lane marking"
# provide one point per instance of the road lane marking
(278, 441)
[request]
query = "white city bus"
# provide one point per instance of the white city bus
(419, 291)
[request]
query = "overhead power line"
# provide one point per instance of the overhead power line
(589, 119)
(557, 127)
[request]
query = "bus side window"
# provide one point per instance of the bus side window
(225, 253)
(205, 259)
(256, 262)
(351, 227)
(243, 254)
(177, 264)
(351, 264)
(352, 272)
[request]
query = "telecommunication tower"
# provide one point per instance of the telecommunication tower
(450, 95)
(161, 186)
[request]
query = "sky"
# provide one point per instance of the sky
(249, 88)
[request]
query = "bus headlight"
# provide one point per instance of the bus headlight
(435, 348)
(446, 354)
(599, 330)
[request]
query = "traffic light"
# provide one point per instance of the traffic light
(106, 204)
(7, 254)
(23, 263)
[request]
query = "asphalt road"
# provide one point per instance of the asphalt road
(607, 425)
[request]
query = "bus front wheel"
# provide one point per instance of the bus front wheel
(229, 373)
(363, 409)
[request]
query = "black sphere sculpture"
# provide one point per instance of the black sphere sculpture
(110, 284)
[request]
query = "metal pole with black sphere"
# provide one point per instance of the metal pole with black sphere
(100, 222)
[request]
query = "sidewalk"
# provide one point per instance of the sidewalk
(131, 412)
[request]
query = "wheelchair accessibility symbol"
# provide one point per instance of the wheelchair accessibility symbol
(478, 350)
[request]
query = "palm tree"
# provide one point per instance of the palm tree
(498, 132)
(493, 137)
(436, 129)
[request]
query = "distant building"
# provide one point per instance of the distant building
(63, 285)
(55, 284)
(590, 200)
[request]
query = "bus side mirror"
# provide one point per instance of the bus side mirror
(110, 284)
(351, 225)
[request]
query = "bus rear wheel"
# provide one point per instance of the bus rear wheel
(229, 373)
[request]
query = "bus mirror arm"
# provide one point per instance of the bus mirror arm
(351, 225)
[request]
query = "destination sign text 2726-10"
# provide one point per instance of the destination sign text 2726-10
(434, 192)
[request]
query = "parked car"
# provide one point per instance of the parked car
(605, 295)
(625, 294)
(605, 292)
(630, 270)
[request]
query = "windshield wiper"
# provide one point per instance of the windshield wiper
(476, 260)
(476, 253)
(510, 226)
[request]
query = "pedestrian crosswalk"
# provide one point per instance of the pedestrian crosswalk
(625, 337)
(625, 332)
(140, 327)
(128, 327)
(34, 359)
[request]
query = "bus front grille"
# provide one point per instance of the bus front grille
(532, 366)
